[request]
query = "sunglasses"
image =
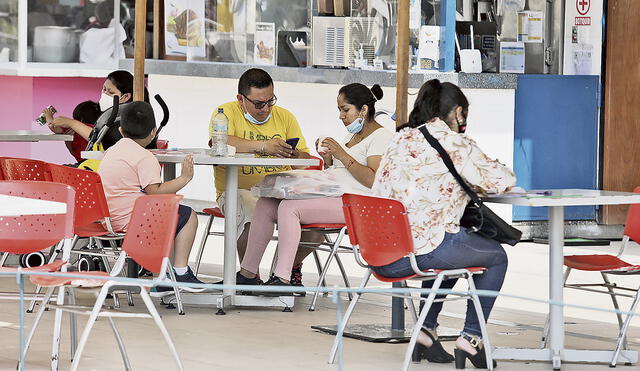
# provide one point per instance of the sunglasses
(260, 104)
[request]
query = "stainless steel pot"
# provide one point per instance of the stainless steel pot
(55, 44)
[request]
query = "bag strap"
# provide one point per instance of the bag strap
(447, 161)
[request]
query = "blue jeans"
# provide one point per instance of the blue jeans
(459, 250)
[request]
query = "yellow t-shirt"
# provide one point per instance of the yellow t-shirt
(282, 124)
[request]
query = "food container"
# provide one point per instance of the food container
(55, 44)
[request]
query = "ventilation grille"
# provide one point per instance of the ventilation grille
(334, 45)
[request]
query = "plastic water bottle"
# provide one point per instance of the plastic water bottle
(219, 126)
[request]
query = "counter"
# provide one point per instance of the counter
(324, 75)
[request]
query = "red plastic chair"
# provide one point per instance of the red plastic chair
(43, 230)
(149, 241)
(24, 169)
(380, 233)
(606, 265)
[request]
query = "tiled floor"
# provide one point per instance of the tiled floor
(269, 339)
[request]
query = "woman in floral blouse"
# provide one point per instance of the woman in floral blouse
(413, 172)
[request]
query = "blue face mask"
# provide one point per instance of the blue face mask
(356, 126)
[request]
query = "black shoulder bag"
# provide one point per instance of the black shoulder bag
(477, 217)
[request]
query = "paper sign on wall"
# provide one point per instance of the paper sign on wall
(184, 28)
(530, 26)
(264, 43)
(512, 57)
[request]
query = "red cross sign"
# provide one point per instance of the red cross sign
(583, 6)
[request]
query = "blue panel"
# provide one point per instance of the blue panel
(556, 138)
(447, 34)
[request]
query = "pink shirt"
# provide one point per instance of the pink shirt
(126, 169)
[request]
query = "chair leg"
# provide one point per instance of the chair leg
(319, 267)
(203, 242)
(412, 307)
(483, 325)
(116, 298)
(47, 297)
(3, 260)
(52, 257)
(123, 350)
(545, 330)
(612, 294)
(420, 320)
(345, 278)
(73, 324)
(156, 317)
(323, 274)
(176, 290)
(623, 330)
(87, 329)
(345, 319)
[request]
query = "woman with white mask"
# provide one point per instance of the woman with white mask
(354, 160)
(118, 83)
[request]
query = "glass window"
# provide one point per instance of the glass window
(8, 31)
(67, 31)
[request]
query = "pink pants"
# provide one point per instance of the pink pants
(289, 214)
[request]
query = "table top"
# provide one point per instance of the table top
(566, 197)
(202, 156)
(32, 136)
(16, 206)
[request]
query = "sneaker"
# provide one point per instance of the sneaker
(161, 291)
(189, 277)
(275, 281)
(242, 280)
(296, 279)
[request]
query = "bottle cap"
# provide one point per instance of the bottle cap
(220, 110)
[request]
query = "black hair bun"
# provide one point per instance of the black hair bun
(377, 91)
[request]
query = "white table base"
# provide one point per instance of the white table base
(556, 353)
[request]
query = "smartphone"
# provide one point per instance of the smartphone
(293, 142)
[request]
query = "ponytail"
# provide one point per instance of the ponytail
(435, 100)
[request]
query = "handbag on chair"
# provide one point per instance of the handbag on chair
(477, 217)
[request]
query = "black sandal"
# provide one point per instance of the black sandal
(434, 354)
(479, 360)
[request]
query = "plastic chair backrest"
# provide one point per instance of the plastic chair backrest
(162, 144)
(151, 230)
(379, 226)
(25, 169)
(30, 233)
(318, 167)
(91, 203)
(632, 225)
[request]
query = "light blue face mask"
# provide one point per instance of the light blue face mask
(356, 126)
(253, 120)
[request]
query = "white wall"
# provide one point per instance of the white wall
(191, 101)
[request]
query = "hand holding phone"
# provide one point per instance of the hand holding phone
(293, 142)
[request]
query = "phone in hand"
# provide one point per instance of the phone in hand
(293, 142)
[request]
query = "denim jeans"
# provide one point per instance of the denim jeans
(459, 250)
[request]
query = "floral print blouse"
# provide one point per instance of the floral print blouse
(412, 171)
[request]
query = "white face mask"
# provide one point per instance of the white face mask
(106, 102)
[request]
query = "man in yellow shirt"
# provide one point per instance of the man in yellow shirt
(257, 125)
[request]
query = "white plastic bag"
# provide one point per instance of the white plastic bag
(97, 44)
(300, 184)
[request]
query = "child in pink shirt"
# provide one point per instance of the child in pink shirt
(129, 171)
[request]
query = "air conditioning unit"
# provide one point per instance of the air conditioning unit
(330, 41)
(337, 41)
